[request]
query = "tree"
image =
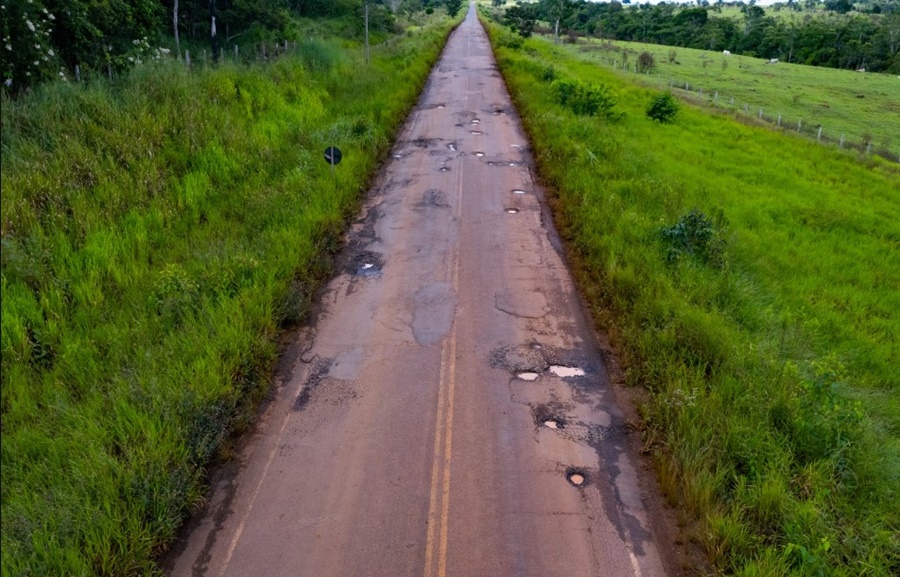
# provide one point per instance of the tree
(521, 19)
(453, 7)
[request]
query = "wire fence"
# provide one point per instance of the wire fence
(753, 113)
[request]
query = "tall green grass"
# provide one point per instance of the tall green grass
(157, 232)
(750, 281)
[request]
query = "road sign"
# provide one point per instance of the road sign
(333, 155)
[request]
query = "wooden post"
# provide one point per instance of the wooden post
(235, 51)
(367, 41)
(841, 142)
(732, 101)
(799, 125)
(187, 58)
(716, 97)
(77, 73)
(760, 113)
(869, 147)
(779, 119)
(819, 137)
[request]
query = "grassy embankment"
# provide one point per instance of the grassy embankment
(862, 107)
(157, 232)
(765, 331)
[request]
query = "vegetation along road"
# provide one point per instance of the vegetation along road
(183, 394)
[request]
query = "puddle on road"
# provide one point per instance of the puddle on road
(398, 156)
(441, 106)
(518, 191)
(444, 169)
(515, 146)
(515, 211)
(476, 121)
(563, 372)
(527, 376)
(476, 132)
(479, 154)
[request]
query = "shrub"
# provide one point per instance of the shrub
(645, 62)
(696, 235)
(663, 108)
(584, 98)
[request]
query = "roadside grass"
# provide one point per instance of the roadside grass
(157, 233)
(750, 281)
(862, 106)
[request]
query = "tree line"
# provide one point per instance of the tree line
(43, 39)
(839, 35)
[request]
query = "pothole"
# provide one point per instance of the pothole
(444, 169)
(365, 264)
(514, 211)
(518, 191)
(563, 372)
(576, 477)
(527, 376)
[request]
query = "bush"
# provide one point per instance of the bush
(583, 98)
(663, 108)
(697, 235)
(645, 62)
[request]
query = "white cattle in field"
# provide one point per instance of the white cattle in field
(861, 70)
(726, 53)
(772, 61)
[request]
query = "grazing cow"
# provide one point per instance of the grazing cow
(861, 70)
(772, 61)
(726, 53)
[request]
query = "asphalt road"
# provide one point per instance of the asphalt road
(412, 433)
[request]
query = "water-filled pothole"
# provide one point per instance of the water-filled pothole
(476, 132)
(476, 121)
(514, 211)
(576, 477)
(444, 169)
(563, 372)
(518, 191)
(527, 376)
(479, 154)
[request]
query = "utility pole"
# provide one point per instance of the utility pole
(367, 32)
(214, 40)
(175, 26)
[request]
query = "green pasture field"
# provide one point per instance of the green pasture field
(861, 106)
(158, 231)
(750, 281)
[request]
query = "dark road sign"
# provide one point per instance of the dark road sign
(333, 155)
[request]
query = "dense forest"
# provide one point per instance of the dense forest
(836, 33)
(48, 38)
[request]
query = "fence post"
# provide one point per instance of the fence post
(746, 109)
(869, 147)
(779, 120)
(819, 137)
(235, 51)
(687, 86)
(799, 125)
(222, 54)
(716, 97)
(732, 101)
(700, 93)
(760, 113)
(841, 142)
(187, 58)
(77, 73)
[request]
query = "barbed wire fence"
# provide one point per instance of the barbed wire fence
(753, 113)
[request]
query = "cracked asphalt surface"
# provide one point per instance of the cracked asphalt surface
(401, 439)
